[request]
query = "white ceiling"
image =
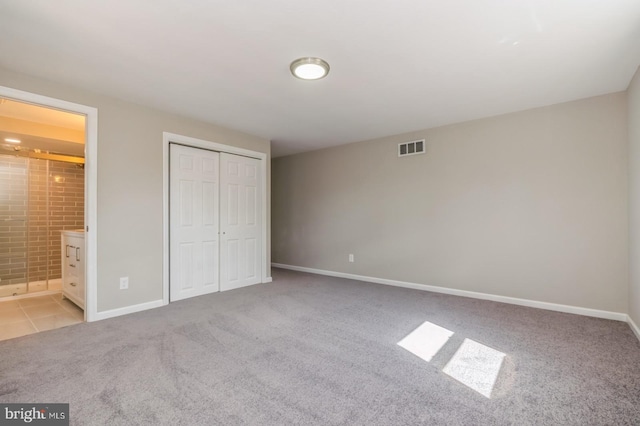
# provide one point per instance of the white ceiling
(28, 136)
(38, 114)
(47, 145)
(396, 66)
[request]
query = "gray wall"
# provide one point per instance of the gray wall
(130, 185)
(530, 205)
(633, 94)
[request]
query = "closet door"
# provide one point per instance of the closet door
(194, 222)
(241, 230)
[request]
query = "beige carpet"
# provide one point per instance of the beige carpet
(309, 349)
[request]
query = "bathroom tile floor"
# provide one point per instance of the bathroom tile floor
(33, 314)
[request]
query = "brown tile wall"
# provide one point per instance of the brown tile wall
(66, 208)
(38, 221)
(55, 202)
(13, 233)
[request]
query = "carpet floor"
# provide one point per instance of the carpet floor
(310, 349)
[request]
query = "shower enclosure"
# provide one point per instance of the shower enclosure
(39, 197)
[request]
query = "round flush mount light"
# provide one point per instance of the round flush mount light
(309, 68)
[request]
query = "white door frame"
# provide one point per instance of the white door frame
(212, 146)
(90, 185)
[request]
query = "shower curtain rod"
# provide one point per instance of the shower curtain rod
(44, 156)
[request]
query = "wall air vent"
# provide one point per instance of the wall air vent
(411, 148)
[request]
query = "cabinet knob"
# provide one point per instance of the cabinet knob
(72, 284)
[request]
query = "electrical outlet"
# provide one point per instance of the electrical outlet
(351, 258)
(124, 283)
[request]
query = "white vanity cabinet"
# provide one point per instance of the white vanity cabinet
(73, 264)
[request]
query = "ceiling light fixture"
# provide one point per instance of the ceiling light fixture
(12, 140)
(309, 68)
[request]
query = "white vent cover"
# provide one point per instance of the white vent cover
(411, 148)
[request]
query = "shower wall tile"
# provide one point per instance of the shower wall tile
(62, 186)
(13, 202)
(68, 184)
(54, 202)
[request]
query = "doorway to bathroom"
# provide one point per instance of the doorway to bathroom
(42, 210)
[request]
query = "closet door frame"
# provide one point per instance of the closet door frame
(213, 146)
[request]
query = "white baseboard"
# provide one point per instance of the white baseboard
(140, 307)
(618, 316)
(634, 327)
(127, 310)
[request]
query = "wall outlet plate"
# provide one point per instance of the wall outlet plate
(124, 283)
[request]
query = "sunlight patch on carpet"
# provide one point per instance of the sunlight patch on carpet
(426, 340)
(476, 366)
